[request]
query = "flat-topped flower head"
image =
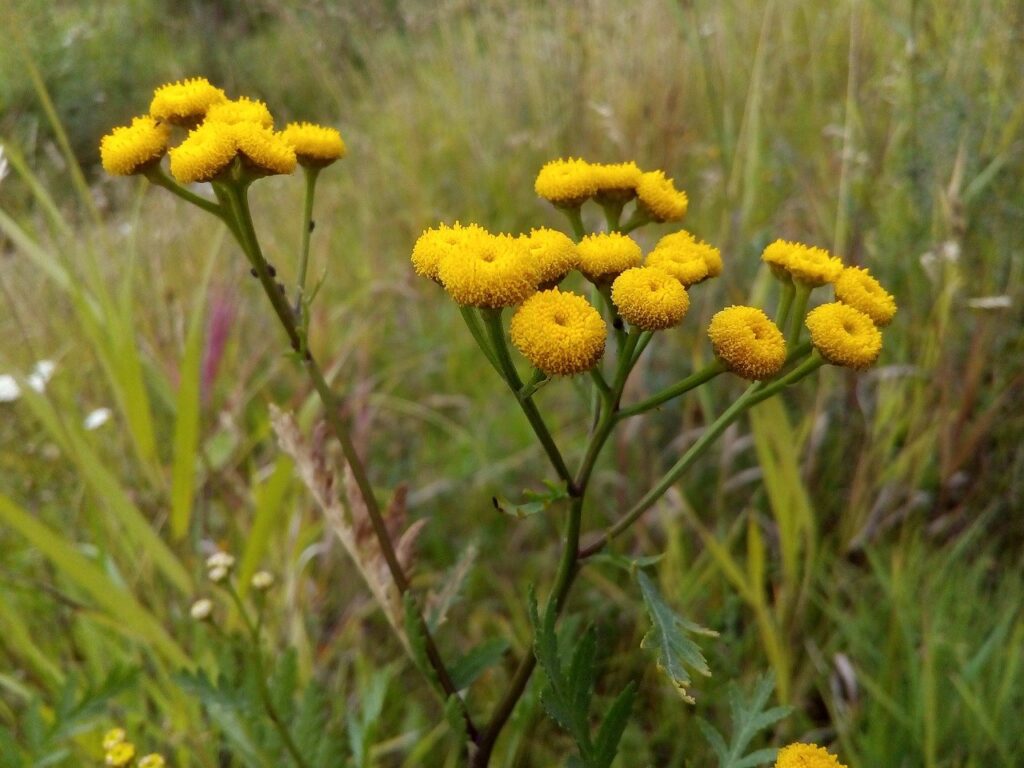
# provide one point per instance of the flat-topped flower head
(262, 150)
(606, 254)
(747, 342)
(657, 194)
(553, 253)
(844, 336)
(490, 272)
(112, 738)
(185, 102)
(860, 290)
(566, 183)
(241, 110)
(805, 264)
(616, 182)
(316, 146)
(120, 755)
(133, 148)
(687, 259)
(559, 332)
(207, 152)
(435, 243)
(806, 756)
(650, 298)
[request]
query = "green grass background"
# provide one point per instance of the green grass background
(861, 539)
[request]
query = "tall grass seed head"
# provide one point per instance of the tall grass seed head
(806, 756)
(604, 255)
(263, 151)
(747, 342)
(435, 243)
(566, 183)
(112, 738)
(488, 271)
(207, 152)
(152, 760)
(650, 298)
(185, 102)
(241, 110)
(616, 182)
(657, 194)
(844, 336)
(132, 148)
(859, 289)
(805, 264)
(316, 146)
(689, 260)
(121, 754)
(559, 332)
(553, 253)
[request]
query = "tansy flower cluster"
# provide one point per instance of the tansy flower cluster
(223, 134)
(121, 753)
(806, 756)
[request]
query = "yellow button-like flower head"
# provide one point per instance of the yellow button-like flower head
(803, 263)
(806, 756)
(560, 333)
(748, 342)
(152, 760)
(650, 298)
(687, 259)
(435, 244)
(121, 754)
(185, 102)
(659, 197)
(844, 336)
(208, 151)
(113, 737)
(491, 271)
(263, 150)
(566, 182)
(316, 146)
(607, 254)
(131, 148)
(858, 288)
(242, 110)
(616, 181)
(553, 253)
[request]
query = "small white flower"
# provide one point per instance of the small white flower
(990, 302)
(41, 374)
(262, 580)
(96, 419)
(201, 609)
(9, 389)
(220, 560)
(217, 574)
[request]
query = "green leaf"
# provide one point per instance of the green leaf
(610, 734)
(749, 717)
(669, 639)
(468, 668)
(417, 639)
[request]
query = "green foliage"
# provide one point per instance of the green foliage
(748, 718)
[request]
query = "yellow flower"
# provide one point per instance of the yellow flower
(747, 342)
(688, 260)
(489, 271)
(553, 252)
(121, 754)
(129, 149)
(112, 738)
(806, 756)
(560, 333)
(435, 244)
(650, 298)
(616, 181)
(804, 263)
(566, 183)
(241, 110)
(265, 151)
(659, 197)
(207, 152)
(607, 254)
(858, 288)
(184, 102)
(153, 760)
(316, 146)
(844, 336)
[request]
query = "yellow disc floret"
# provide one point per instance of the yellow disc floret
(185, 102)
(844, 336)
(489, 271)
(657, 195)
(650, 298)
(131, 148)
(263, 150)
(113, 737)
(687, 259)
(616, 181)
(121, 754)
(315, 145)
(207, 152)
(434, 244)
(747, 342)
(241, 110)
(806, 756)
(803, 263)
(858, 288)
(607, 254)
(553, 253)
(560, 333)
(566, 182)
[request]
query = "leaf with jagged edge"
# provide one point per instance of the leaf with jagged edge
(669, 639)
(610, 734)
(748, 718)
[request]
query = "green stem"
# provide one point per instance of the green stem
(645, 339)
(538, 380)
(575, 221)
(785, 302)
(799, 309)
(612, 213)
(157, 176)
(690, 382)
(637, 220)
(472, 319)
(307, 229)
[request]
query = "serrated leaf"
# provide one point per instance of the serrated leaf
(668, 638)
(580, 683)
(748, 718)
(468, 668)
(610, 734)
(557, 708)
(715, 739)
(545, 642)
(760, 757)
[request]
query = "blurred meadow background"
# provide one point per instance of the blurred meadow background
(860, 538)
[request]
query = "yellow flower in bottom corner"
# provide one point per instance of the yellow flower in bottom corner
(560, 332)
(806, 756)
